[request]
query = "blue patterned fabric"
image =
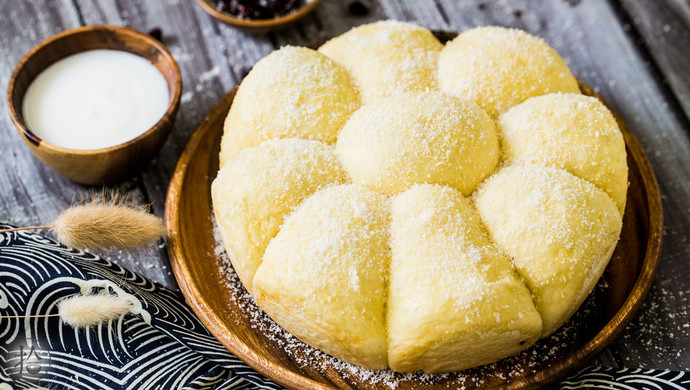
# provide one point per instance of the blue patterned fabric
(160, 344)
(627, 379)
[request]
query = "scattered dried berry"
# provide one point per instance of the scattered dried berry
(156, 33)
(358, 8)
(258, 9)
(244, 71)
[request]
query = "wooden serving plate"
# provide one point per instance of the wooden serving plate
(226, 311)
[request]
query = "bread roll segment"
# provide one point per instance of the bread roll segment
(501, 67)
(323, 277)
(569, 131)
(387, 58)
(454, 300)
(294, 92)
(396, 142)
(559, 231)
(254, 192)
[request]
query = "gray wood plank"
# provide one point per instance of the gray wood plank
(31, 193)
(664, 26)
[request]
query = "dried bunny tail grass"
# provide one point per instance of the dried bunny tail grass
(110, 197)
(103, 220)
(80, 311)
(102, 226)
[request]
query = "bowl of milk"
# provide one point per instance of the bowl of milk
(95, 103)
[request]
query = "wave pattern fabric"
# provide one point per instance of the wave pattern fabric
(160, 344)
(626, 379)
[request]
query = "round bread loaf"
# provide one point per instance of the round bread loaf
(409, 245)
(292, 92)
(386, 58)
(499, 68)
(392, 143)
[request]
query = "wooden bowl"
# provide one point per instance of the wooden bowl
(223, 307)
(105, 165)
(259, 25)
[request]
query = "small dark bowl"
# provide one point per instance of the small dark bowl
(259, 25)
(105, 165)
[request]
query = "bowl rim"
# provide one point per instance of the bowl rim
(18, 118)
(258, 24)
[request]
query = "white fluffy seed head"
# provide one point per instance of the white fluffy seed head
(80, 311)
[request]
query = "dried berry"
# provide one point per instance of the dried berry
(156, 33)
(358, 8)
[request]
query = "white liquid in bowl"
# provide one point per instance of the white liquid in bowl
(95, 99)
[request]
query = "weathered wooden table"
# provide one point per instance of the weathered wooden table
(634, 53)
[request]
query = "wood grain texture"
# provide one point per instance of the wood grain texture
(200, 272)
(602, 47)
(664, 25)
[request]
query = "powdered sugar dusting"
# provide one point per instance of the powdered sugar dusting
(387, 57)
(572, 132)
(294, 92)
(395, 142)
(500, 67)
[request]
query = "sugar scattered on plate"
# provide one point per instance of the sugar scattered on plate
(539, 357)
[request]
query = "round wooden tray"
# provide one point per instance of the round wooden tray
(202, 276)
